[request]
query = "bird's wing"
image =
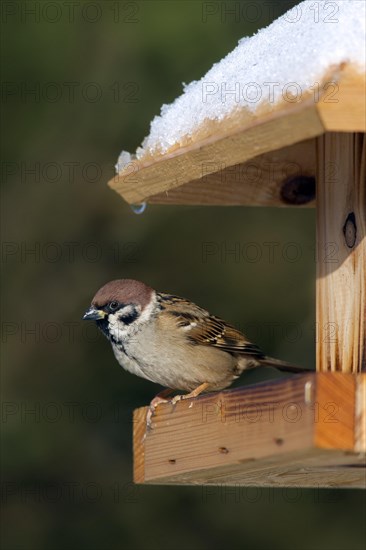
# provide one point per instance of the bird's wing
(204, 329)
(212, 331)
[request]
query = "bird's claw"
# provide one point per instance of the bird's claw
(149, 415)
(161, 398)
(175, 399)
(158, 400)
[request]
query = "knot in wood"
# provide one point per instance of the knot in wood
(298, 190)
(223, 450)
(350, 230)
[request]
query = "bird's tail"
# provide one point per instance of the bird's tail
(281, 365)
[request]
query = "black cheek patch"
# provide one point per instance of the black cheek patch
(102, 324)
(130, 317)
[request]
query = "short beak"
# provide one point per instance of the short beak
(93, 314)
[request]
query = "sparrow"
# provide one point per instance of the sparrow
(172, 341)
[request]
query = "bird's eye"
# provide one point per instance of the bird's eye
(113, 305)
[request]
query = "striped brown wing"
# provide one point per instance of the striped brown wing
(207, 330)
(212, 331)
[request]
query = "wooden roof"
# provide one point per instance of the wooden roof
(246, 159)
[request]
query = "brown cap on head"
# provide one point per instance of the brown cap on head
(126, 291)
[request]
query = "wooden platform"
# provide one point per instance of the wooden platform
(303, 431)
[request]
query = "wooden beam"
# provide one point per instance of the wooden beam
(283, 177)
(342, 105)
(214, 167)
(275, 130)
(299, 431)
(335, 421)
(360, 418)
(341, 253)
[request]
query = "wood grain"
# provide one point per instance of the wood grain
(360, 414)
(139, 427)
(141, 180)
(257, 182)
(341, 253)
(240, 138)
(342, 105)
(335, 402)
(276, 433)
(314, 468)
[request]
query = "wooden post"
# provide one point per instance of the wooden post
(341, 253)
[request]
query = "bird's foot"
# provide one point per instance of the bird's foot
(158, 400)
(201, 388)
(162, 398)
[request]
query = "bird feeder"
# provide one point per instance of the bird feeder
(306, 430)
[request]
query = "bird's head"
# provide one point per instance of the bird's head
(119, 305)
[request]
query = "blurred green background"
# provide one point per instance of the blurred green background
(81, 82)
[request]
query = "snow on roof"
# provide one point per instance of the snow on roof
(281, 61)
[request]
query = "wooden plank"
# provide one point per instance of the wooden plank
(228, 427)
(337, 104)
(139, 425)
(360, 414)
(272, 434)
(284, 126)
(341, 253)
(314, 468)
(335, 403)
(261, 181)
(342, 105)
